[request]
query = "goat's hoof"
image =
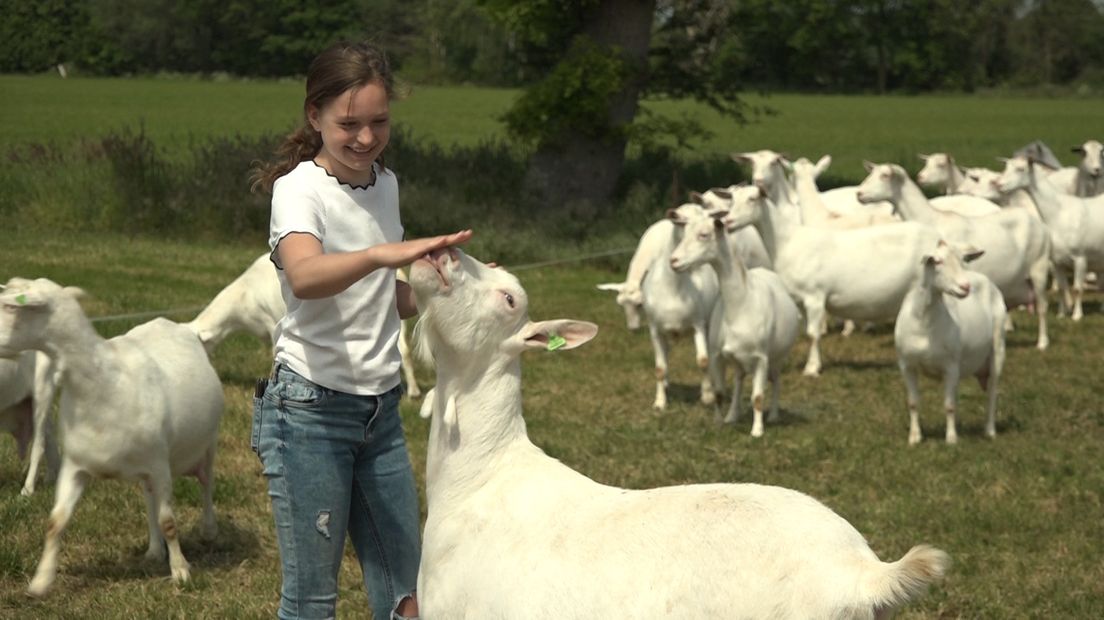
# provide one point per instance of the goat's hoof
(811, 372)
(181, 574)
(208, 532)
(27, 491)
(952, 440)
(156, 554)
(756, 432)
(39, 587)
(1042, 345)
(708, 398)
(914, 440)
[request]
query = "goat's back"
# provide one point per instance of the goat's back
(160, 392)
(541, 541)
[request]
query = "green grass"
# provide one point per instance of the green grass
(44, 109)
(1020, 515)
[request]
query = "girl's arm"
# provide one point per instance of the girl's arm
(313, 274)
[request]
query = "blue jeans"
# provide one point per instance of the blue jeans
(337, 463)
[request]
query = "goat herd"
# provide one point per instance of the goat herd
(737, 265)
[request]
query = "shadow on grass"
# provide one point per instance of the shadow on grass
(230, 548)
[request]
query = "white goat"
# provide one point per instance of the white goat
(675, 303)
(760, 319)
(861, 274)
(26, 396)
(1017, 246)
(1086, 179)
(768, 169)
(1076, 224)
(512, 533)
(951, 325)
(144, 405)
(253, 303)
(941, 171)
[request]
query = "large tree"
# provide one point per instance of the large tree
(599, 57)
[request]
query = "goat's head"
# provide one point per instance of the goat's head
(1092, 158)
(472, 312)
(882, 183)
(630, 298)
(1017, 174)
(768, 168)
(981, 182)
(944, 268)
(26, 308)
(937, 169)
(701, 231)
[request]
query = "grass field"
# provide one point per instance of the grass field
(851, 128)
(1021, 515)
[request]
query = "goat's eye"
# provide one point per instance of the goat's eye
(509, 300)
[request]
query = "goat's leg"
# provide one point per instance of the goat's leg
(659, 346)
(734, 406)
(1065, 296)
(160, 484)
(776, 382)
(207, 481)
(1080, 266)
(814, 318)
(156, 549)
(1038, 276)
(912, 400)
(950, 400)
(70, 484)
(44, 442)
(703, 353)
(996, 366)
(848, 328)
(758, 388)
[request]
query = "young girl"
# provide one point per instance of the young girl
(327, 425)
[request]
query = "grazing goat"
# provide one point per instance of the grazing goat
(26, 396)
(514, 533)
(253, 303)
(1075, 224)
(675, 303)
(951, 325)
(1017, 246)
(760, 319)
(144, 405)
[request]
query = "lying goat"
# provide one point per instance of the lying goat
(512, 533)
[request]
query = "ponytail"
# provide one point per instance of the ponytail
(299, 146)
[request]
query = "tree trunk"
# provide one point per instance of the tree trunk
(581, 173)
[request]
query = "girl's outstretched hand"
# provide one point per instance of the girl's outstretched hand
(405, 252)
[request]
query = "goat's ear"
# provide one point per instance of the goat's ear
(557, 334)
(696, 198)
(722, 193)
(970, 253)
(923, 156)
(75, 292)
(717, 213)
(611, 286)
(739, 157)
(869, 165)
(822, 165)
(676, 217)
(928, 260)
(1080, 150)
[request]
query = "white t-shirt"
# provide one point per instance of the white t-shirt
(348, 342)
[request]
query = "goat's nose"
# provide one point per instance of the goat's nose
(965, 287)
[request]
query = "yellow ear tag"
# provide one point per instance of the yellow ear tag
(555, 341)
(21, 299)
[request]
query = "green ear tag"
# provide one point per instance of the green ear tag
(555, 341)
(21, 299)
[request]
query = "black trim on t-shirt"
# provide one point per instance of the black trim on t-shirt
(375, 175)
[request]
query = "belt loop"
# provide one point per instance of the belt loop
(275, 371)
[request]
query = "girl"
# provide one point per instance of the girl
(326, 426)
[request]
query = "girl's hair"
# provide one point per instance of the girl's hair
(338, 68)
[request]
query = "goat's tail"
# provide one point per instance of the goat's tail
(893, 584)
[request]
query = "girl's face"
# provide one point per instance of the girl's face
(355, 128)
